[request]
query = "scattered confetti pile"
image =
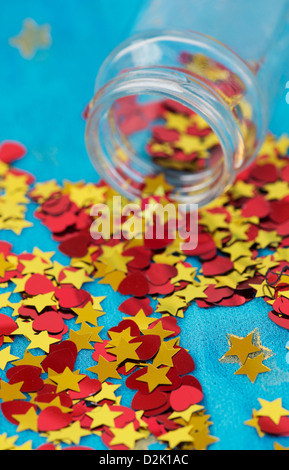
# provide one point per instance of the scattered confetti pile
(242, 253)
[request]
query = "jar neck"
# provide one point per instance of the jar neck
(200, 74)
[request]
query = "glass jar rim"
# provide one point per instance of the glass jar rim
(169, 83)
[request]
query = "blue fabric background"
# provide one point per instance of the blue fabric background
(41, 102)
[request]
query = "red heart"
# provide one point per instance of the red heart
(269, 427)
(28, 374)
(70, 297)
(65, 399)
(133, 305)
(149, 346)
(38, 284)
(161, 273)
(150, 401)
(15, 407)
(75, 247)
(87, 387)
(53, 419)
(217, 266)
(283, 322)
(61, 355)
(134, 384)
(127, 416)
(11, 151)
(266, 173)
(50, 321)
(168, 324)
(7, 325)
(189, 393)
(134, 284)
(142, 257)
(124, 325)
(257, 206)
(183, 362)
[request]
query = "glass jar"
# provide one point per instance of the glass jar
(216, 60)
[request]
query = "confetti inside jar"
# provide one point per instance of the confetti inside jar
(190, 99)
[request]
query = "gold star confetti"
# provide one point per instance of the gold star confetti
(253, 367)
(273, 410)
(32, 38)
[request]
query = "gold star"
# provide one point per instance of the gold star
(186, 414)
(93, 331)
(279, 447)
(282, 145)
(155, 376)
(202, 439)
(42, 191)
(16, 225)
(4, 300)
(4, 265)
(254, 423)
(25, 329)
(45, 256)
(242, 189)
(32, 38)
(55, 270)
(10, 392)
(179, 122)
(253, 367)
(29, 359)
(115, 337)
(6, 357)
(156, 184)
(87, 195)
(55, 402)
(113, 278)
(7, 443)
(81, 340)
(189, 144)
(105, 369)
(277, 190)
(266, 238)
(114, 259)
(178, 436)
(185, 273)
(20, 283)
(125, 351)
(158, 330)
(241, 347)
(40, 301)
(142, 320)
(26, 446)
(70, 434)
(67, 380)
(103, 416)
(106, 393)
(34, 266)
(87, 314)
(213, 221)
(13, 183)
(263, 290)
(42, 341)
(126, 436)
(76, 278)
(26, 421)
(239, 249)
(165, 354)
(191, 292)
(273, 410)
(171, 304)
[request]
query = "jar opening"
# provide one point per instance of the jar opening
(185, 117)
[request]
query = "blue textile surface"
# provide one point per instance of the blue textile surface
(41, 101)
